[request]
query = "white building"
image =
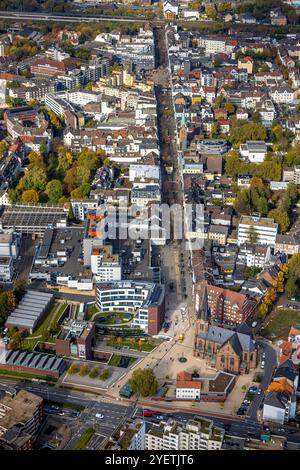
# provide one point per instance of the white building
(186, 387)
(254, 255)
(130, 437)
(279, 407)
(144, 172)
(145, 195)
(171, 8)
(9, 243)
(254, 151)
(81, 207)
(261, 230)
(283, 95)
(196, 434)
(62, 101)
(105, 265)
(144, 299)
(6, 269)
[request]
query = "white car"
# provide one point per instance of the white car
(262, 365)
(99, 416)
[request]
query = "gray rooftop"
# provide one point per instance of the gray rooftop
(222, 335)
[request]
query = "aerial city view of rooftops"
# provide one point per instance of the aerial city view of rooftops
(123, 125)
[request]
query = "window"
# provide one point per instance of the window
(231, 362)
(223, 359)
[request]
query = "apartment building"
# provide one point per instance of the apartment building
(146, 300)
(218, 234)
(261, 230)
(288, 244)
(254, 255)
(131, 436)
(20, 418)
(254, 151)
(81, 207)
(224, 305)
(197, 434)
(48, 67)
(104, 264)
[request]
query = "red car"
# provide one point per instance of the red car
(147, 413)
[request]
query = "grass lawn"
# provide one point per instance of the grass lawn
(131, 361)
(30, 342)
(280, 323)
(147, 346)
(25, 375)
(120, 317)
(66, 406)
(115, 360)
(91, 310)
(84, 439)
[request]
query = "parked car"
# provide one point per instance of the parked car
(99, 416)
(262, 365)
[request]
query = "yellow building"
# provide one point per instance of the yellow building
(128, 78)
(247, 64)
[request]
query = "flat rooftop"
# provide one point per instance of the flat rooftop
(17, 409)
(56, 246)
(260, 222)
(32, 216)
(30, 308)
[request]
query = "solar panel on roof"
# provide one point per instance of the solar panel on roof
(57, 364)
(48, 365)
(22, 357)
(35, 360)
(11, 358)
(42, 362)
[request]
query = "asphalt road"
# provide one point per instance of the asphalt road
(270, 363)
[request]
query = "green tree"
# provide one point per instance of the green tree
(76, 194)
(104, 374)
(94, 373)
(83, 370)
(65, 160)
(281, 218)
(85, 190)
(74, 369)
(232, 164)
(19, 289)
(4, 146)
(54, 190)
(30, 196)
(230, 108)
(16, 340)
(34, 178)
(143, 382)
(242, 203)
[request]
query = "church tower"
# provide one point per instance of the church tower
(202, 309)
(183, 133)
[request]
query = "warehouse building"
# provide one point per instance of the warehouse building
(33, 219)
(46, 365)
(30, 311)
